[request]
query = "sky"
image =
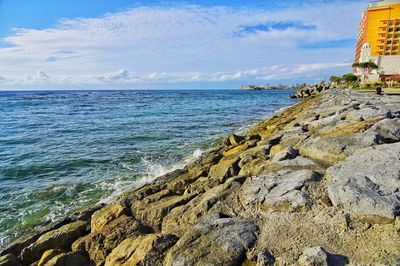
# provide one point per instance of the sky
(123, 44)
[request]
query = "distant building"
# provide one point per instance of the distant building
(379, 37)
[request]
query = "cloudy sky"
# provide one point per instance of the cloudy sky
(103, 44)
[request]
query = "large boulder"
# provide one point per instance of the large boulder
(61, 238)
(214, 240)
(278, 191)
(144, 250)
(98, 245)
(367, 183)
(182, 217)
(227, 167)
(105, 215)
(152, 213)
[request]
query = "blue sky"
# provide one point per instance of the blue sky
(47, 44)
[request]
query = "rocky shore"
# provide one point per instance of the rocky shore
(316, 184)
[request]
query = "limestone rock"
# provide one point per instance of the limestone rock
(367, 183)
(105, 215)
(8, 260)
(388, 130)
(278, 190)
(61, 238)
(227, 167)
(153, 213)
(67, 259)
(214, 240)
(288, 153)
(144, 250)
(98, 245)
(48, 255)
(180, 218)
(315, 256)
(233, 140)
(337, 148)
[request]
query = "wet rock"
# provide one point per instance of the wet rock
(367, 183)
(98, 245)
(315, 256)
(61, 238)
(8, 260)
(105, 215)
(277, 191)
(144, 250)
(214, 240)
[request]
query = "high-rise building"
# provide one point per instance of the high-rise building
(379, 37)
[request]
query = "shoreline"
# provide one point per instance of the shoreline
(284, 180)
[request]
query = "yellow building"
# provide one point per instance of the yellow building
(380, 28)
(379, 37)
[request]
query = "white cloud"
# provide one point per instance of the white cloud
(180, 44)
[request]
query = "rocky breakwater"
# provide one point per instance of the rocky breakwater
(316, 184)
(311, 90)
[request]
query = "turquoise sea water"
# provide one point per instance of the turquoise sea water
(60, 151)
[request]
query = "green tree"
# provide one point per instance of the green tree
(365, 69)
(349, 77)
(335, 79)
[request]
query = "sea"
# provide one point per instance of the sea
(61, 151)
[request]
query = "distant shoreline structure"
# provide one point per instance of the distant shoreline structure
(273, 87)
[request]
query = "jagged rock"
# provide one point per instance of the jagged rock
(227, 167)
(144, 250)
(265, 259)
(277, 191)
(367, 183)
(388, 130)
(337, 148)
(105, 215)
(151, 214)
(180, 218)
(286, 154)
(67, 259)
(233, 140)
(8, 260)
(48, 255)
(240, 148)
(315, 256)
(214, 240)
(98, 245)
(61, 238)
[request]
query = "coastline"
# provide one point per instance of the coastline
(263, 197)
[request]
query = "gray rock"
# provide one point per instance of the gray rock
(214, 240)
(315, 256)
(388, 130)
(286, 154)
(265, 259)
(278, 190)
(367, 183)
(337, 148)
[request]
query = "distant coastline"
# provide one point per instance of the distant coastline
(274, 87)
